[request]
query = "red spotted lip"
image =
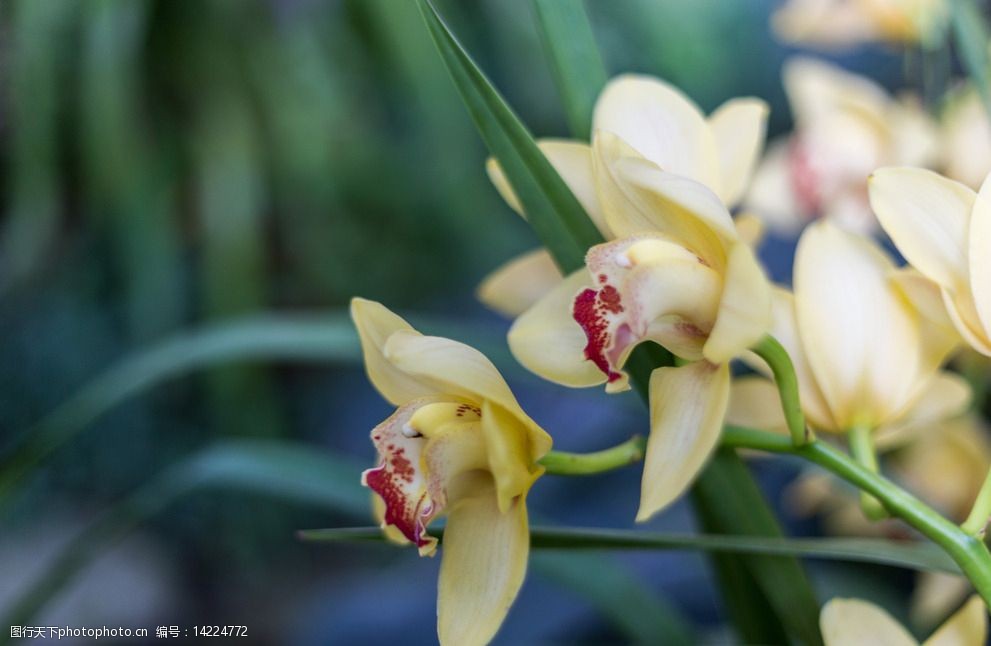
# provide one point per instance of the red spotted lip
(590, 309)
(407, 515)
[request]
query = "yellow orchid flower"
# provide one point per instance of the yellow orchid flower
(964, 132)
(846, 125)
(855, 622)
(662, 125)
(842, 23)
(678, 274)
(866, 340)
(458, 444)
(943, 229)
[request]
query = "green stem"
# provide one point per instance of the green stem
(862, 448)
(967, 551)
(582, 464)
(781, 366)
(978, 518)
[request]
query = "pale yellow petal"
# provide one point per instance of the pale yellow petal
(927, 217)
(819, 90)
(511, 457)
(687, 408)
(980, 256)
(822, 23)
(749, 229)
(457, 369)
(573, 162)
(965, 133)
(772, 192)
(744, 308)
(963, 312)
(738, 126)
(939, 335)
(483, 564)
(547, 341)
(857, 331)
(935, 595)
(660, 122)
(375, 324)
(785, 330)
(517, 285)
(968, 627)
(638, 197)
(754, 403)
(946, 395)
(854, 622)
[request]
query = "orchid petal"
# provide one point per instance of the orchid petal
(744, 309)
(509, 454)
(639, 197)
(459, 370)
(483, 564)
(853, 622)
(980, 256)
(855, 327)
(785, 330)
(375, 324)
(573, 162)
(945, 396)
(772, 192)
(939, 334)
(927, 217)
(967, 627)
(660, 122)
(547, 341)
(738, 127)
(687, 407)
(754, 402)
(517, 285)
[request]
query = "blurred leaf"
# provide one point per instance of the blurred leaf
(915, 556)
(972, 39)
(279, 469)
(575, 60)
(37, 48)
(633, 607)
(260, 338)
(128, 174)
(553, 212)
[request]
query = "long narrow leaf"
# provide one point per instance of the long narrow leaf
(915, 556)
(972, 41)
(263, 338)
(575, 59)
(553, 212)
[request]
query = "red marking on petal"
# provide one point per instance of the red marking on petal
(589, 312)
(400, 511)
(804, 178)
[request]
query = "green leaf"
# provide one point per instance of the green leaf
(915, 556)
(260, 338)
(633, 607)
(554, 213)
(575, 60)
(972, 40)
(735, 505)
(279, 469)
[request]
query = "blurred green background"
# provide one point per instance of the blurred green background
(170, 164)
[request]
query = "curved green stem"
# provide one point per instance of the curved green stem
(583, 464)
(781, 366)
(863, 452)
(981, 511)
(967, 551)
